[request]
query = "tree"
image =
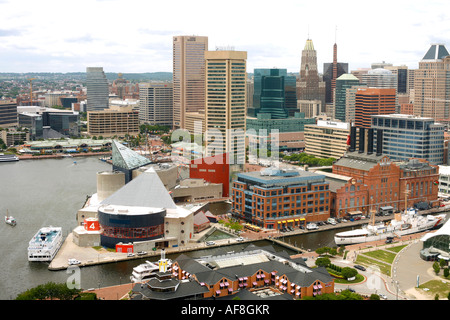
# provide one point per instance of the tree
(436, 267)
(374, 296)
(348, 272)
(323, 262)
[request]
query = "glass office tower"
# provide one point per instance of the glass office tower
(274, 93)
(97, 89)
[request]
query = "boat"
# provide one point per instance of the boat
(10, 219)
(405, 223)
(312, 226)
(144, 272)
(45, 244)
(8, 157)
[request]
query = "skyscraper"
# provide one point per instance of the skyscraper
(344, 82)
(226, 84)
(373, 101)
(156, 103)
(274, 92)
(432, 85)
(97, 89)
(332, 71)
(310, 85)
(188, 77)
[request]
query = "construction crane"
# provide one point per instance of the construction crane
(31, 90)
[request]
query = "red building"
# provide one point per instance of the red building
(214, 169)
(373, 101)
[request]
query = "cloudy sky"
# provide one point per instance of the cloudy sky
(136, 35)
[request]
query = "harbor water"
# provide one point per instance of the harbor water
(48, 192)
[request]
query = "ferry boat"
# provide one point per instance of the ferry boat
(144, 272)
(8, 157)
(405, 223)
(45, 244)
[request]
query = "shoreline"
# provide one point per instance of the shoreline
(63, 155)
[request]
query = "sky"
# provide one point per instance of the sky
(135, 36)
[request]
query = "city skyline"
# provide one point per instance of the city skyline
(136, 36)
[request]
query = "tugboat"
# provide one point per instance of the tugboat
(10, 219)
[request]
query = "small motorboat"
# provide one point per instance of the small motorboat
(10, 220)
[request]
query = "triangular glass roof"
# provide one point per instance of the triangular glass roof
(436, 52)
(126, 158)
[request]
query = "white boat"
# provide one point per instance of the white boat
(8, 157)
(403, 224)
(312, 226)
(10, 219)
(144, 272)
(45, 244)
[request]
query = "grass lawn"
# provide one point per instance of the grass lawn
(384, 268)
(396, 249)
(442, 288)
(382, 255)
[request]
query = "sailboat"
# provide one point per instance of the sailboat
(10, 219)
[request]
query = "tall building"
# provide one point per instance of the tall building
(116, 121)
(332, 71)
(188, 77)
(156, 103)
(344, 82)
(274, 93)
(97, 89)
(310, 85)
(373, 101)
(380, 78)
(432, 85)
(408, 136)
(226, 84)
(8, 113)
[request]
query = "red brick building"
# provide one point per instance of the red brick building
(214, 169)
(373, 101)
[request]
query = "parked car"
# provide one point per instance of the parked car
(210, 243)
(357, 266)
(240, 239)
(130, 254)
(382, 296)
(141, 253)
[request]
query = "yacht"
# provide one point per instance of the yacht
(10, 219)
(45, 244)
(144, 272)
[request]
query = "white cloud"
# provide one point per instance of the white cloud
(136, 35)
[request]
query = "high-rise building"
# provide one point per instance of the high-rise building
(156, 103)
(332, 71)
(274, 93)
(432, 85)
(380, 78)
(310, 85)
(327, 139)
(344, 82)
(408, 136)
(8, 113)
(373, 101)
(97, 89)
(116, 121)
(226, 84)
(188, 76)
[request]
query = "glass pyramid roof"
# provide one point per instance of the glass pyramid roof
(126, 158)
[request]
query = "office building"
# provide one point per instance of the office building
(116, 121)
(97, 88)
(310, 108)
(277, 199)
(373, 101)
(344, 82)
(8, 113)
(310, 85)
(188, 76)
(327, 139)
(156, 104)
(380, 78)
(274, 92)
(226, 83)
(409, 136)
(432, 85)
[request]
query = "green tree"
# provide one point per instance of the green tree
(436, 267)
(348, 272)
(323, 262)
(374, 296)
